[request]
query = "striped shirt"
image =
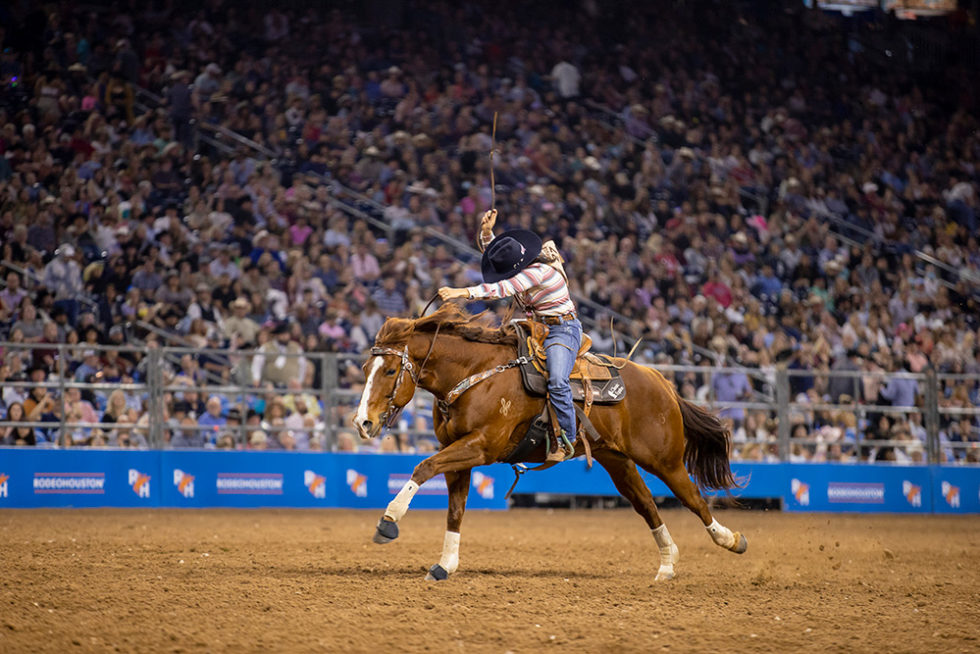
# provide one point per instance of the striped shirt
(539, 289)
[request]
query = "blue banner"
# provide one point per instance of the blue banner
(858, 488)
(78, 478)
(756, 481)
(372, 480)
(246, 479)
(199, 479)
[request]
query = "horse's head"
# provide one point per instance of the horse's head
(391, 381)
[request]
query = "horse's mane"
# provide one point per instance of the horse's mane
(452, 319)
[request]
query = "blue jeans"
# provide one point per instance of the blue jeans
(562, 344)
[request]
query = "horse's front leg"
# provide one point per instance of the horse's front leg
(464, 454)
(458, 484)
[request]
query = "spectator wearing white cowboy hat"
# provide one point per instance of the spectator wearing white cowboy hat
(239, 325)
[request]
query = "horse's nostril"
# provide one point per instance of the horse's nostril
(367, 424)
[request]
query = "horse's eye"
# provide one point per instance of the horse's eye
(389, 373)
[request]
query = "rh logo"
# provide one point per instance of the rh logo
(184, 483)
(912, 493)
(951, 494)
(316, 484)
(139, 482)
(483, 485)
(3, 484)
(801, 492)
(357, 482)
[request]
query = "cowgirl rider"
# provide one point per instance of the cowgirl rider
(517, 264)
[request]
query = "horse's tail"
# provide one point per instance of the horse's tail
(707, 447)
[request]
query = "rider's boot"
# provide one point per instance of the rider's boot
(564, 448)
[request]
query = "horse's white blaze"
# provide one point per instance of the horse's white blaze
(668, 553)
(450, 552)
(398, 506)
(722, 535)
(362, 408)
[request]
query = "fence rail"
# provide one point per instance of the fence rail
(775, 414)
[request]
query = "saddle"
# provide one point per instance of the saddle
(595, 373)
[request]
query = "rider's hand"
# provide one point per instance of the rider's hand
(488, 221)
(446, 293)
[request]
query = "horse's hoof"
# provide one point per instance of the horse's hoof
(742, 544)
(437, 573)
(664, 574)
(386, 532)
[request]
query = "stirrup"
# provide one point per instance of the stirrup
(564, 451)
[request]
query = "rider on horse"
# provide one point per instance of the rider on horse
(517, 264)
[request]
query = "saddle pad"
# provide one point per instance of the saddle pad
(607, 384)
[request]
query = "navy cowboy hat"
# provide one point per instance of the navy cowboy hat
(509, 254)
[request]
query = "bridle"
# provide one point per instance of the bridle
(392, 410)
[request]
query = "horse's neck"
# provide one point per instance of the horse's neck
(454, 358)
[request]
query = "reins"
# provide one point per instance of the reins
(429, 304)
(432, 345)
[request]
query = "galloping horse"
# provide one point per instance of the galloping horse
(652, 427)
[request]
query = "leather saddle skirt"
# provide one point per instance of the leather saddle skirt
(605, 380)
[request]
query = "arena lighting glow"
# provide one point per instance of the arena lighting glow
(905, 9)
(911, 9)
(846, 7)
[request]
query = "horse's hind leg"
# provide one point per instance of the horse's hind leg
(687, 492)
(629, 483)
(458, 484)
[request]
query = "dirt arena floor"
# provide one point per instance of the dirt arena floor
(529, 581)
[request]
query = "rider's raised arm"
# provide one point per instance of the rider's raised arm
(486, 229)
(483, 240)
(519, 283)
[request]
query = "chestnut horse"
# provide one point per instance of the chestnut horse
(652, 427)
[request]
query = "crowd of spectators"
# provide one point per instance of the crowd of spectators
(706, 209)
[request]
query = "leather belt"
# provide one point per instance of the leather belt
(557, 320)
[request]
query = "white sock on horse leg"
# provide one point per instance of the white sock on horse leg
(668, 552)
(722, 535)
(662, 536)
(668, 548)
(450, 552)
(398, 506)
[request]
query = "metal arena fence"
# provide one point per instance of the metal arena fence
(86, 395)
